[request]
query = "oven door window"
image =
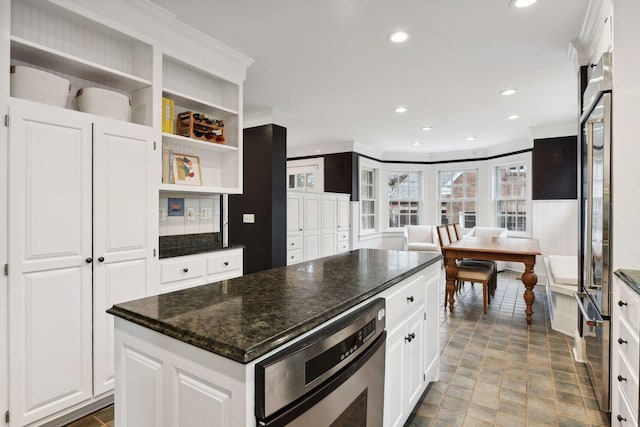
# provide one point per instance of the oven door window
(354, 414)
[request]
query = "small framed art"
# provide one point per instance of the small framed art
(186, 169)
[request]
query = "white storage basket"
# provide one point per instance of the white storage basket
(37, 85)
(103, 102)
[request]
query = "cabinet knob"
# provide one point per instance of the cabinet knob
(186, 270)
(226, 263)
(101, 259)
(293, 244)
(299, 229)
(88, 260)
(621, 418)
(621, 341)
(621, 303)
(621, 378)
(292, 256)
(410, 299)
(410, 337)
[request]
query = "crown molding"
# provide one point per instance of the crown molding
(595, 21)
(554, 131)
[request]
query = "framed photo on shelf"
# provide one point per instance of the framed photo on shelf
(186, 169)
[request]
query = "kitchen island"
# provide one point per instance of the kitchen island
(190, 355)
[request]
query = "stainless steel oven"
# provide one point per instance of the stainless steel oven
(334, 377)
(594, 300)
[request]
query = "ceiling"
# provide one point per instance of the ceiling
(326, 71)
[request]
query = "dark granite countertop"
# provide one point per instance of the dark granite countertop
(630, 277)
(243, 318)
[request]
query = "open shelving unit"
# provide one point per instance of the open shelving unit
(52, 39)
(193, 89)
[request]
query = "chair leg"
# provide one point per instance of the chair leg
(484, 296)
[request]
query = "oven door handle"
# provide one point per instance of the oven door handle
(596, 321)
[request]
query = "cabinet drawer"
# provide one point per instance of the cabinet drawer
(294, 256)
(343, 235)
(342, 247)
(294, 242)
(403, 301)
(626, 342)
(621, 414)
(628, 305)
(224, 261)
(182, 269)
(627, 380)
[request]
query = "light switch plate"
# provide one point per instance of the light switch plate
(248, 218)
(205, 213)
(190, 214)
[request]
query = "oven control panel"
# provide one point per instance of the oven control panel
(326, 360)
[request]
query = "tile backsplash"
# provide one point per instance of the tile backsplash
(188, 214)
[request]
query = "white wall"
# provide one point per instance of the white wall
(626, 135)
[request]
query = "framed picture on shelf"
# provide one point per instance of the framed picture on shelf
(186, 169)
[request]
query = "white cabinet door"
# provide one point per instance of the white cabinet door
(123, 239)
(431, 366)
(329, 224)
(49, 262)
(295, 210)
(394, 381)
(415, 351)
(344, 213)
(312, 226)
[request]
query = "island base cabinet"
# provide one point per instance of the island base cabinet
(163, 382)
(403, 369)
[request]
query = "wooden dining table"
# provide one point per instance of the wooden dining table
(511, 249)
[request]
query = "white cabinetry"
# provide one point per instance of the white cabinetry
(317, 225)
(412, 358)
(625, 357)
(74, 250)
(194, 89)
(83, 191)
(193, 270)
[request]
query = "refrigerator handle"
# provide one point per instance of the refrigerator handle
(596, 321)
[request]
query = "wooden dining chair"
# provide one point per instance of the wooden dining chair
(472, 272)
(455, 234)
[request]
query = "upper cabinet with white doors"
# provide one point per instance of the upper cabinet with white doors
(83, 189)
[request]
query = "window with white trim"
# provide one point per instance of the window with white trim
(511, 197)
(457, 196)
(404, 198)
(367, 200)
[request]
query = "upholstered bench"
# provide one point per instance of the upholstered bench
(562, 282)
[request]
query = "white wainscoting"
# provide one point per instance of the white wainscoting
(555, 224)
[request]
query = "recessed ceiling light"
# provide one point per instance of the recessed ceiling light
(513, 117)
(426, 128)
(471, 138)
(318, 151)
(398, 37)
(508, 92)
(521, 3)
(400, 109)
(416, 144)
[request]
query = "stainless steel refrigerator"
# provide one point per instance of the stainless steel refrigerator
(594, 298)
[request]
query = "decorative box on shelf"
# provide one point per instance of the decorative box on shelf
(199, 126)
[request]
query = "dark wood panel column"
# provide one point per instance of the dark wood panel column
(265, 196)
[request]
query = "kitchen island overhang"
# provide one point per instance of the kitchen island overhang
(203, 342)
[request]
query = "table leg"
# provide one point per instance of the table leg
(452, 271)
(529, 279)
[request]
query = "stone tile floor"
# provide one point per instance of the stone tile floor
(495, 371)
